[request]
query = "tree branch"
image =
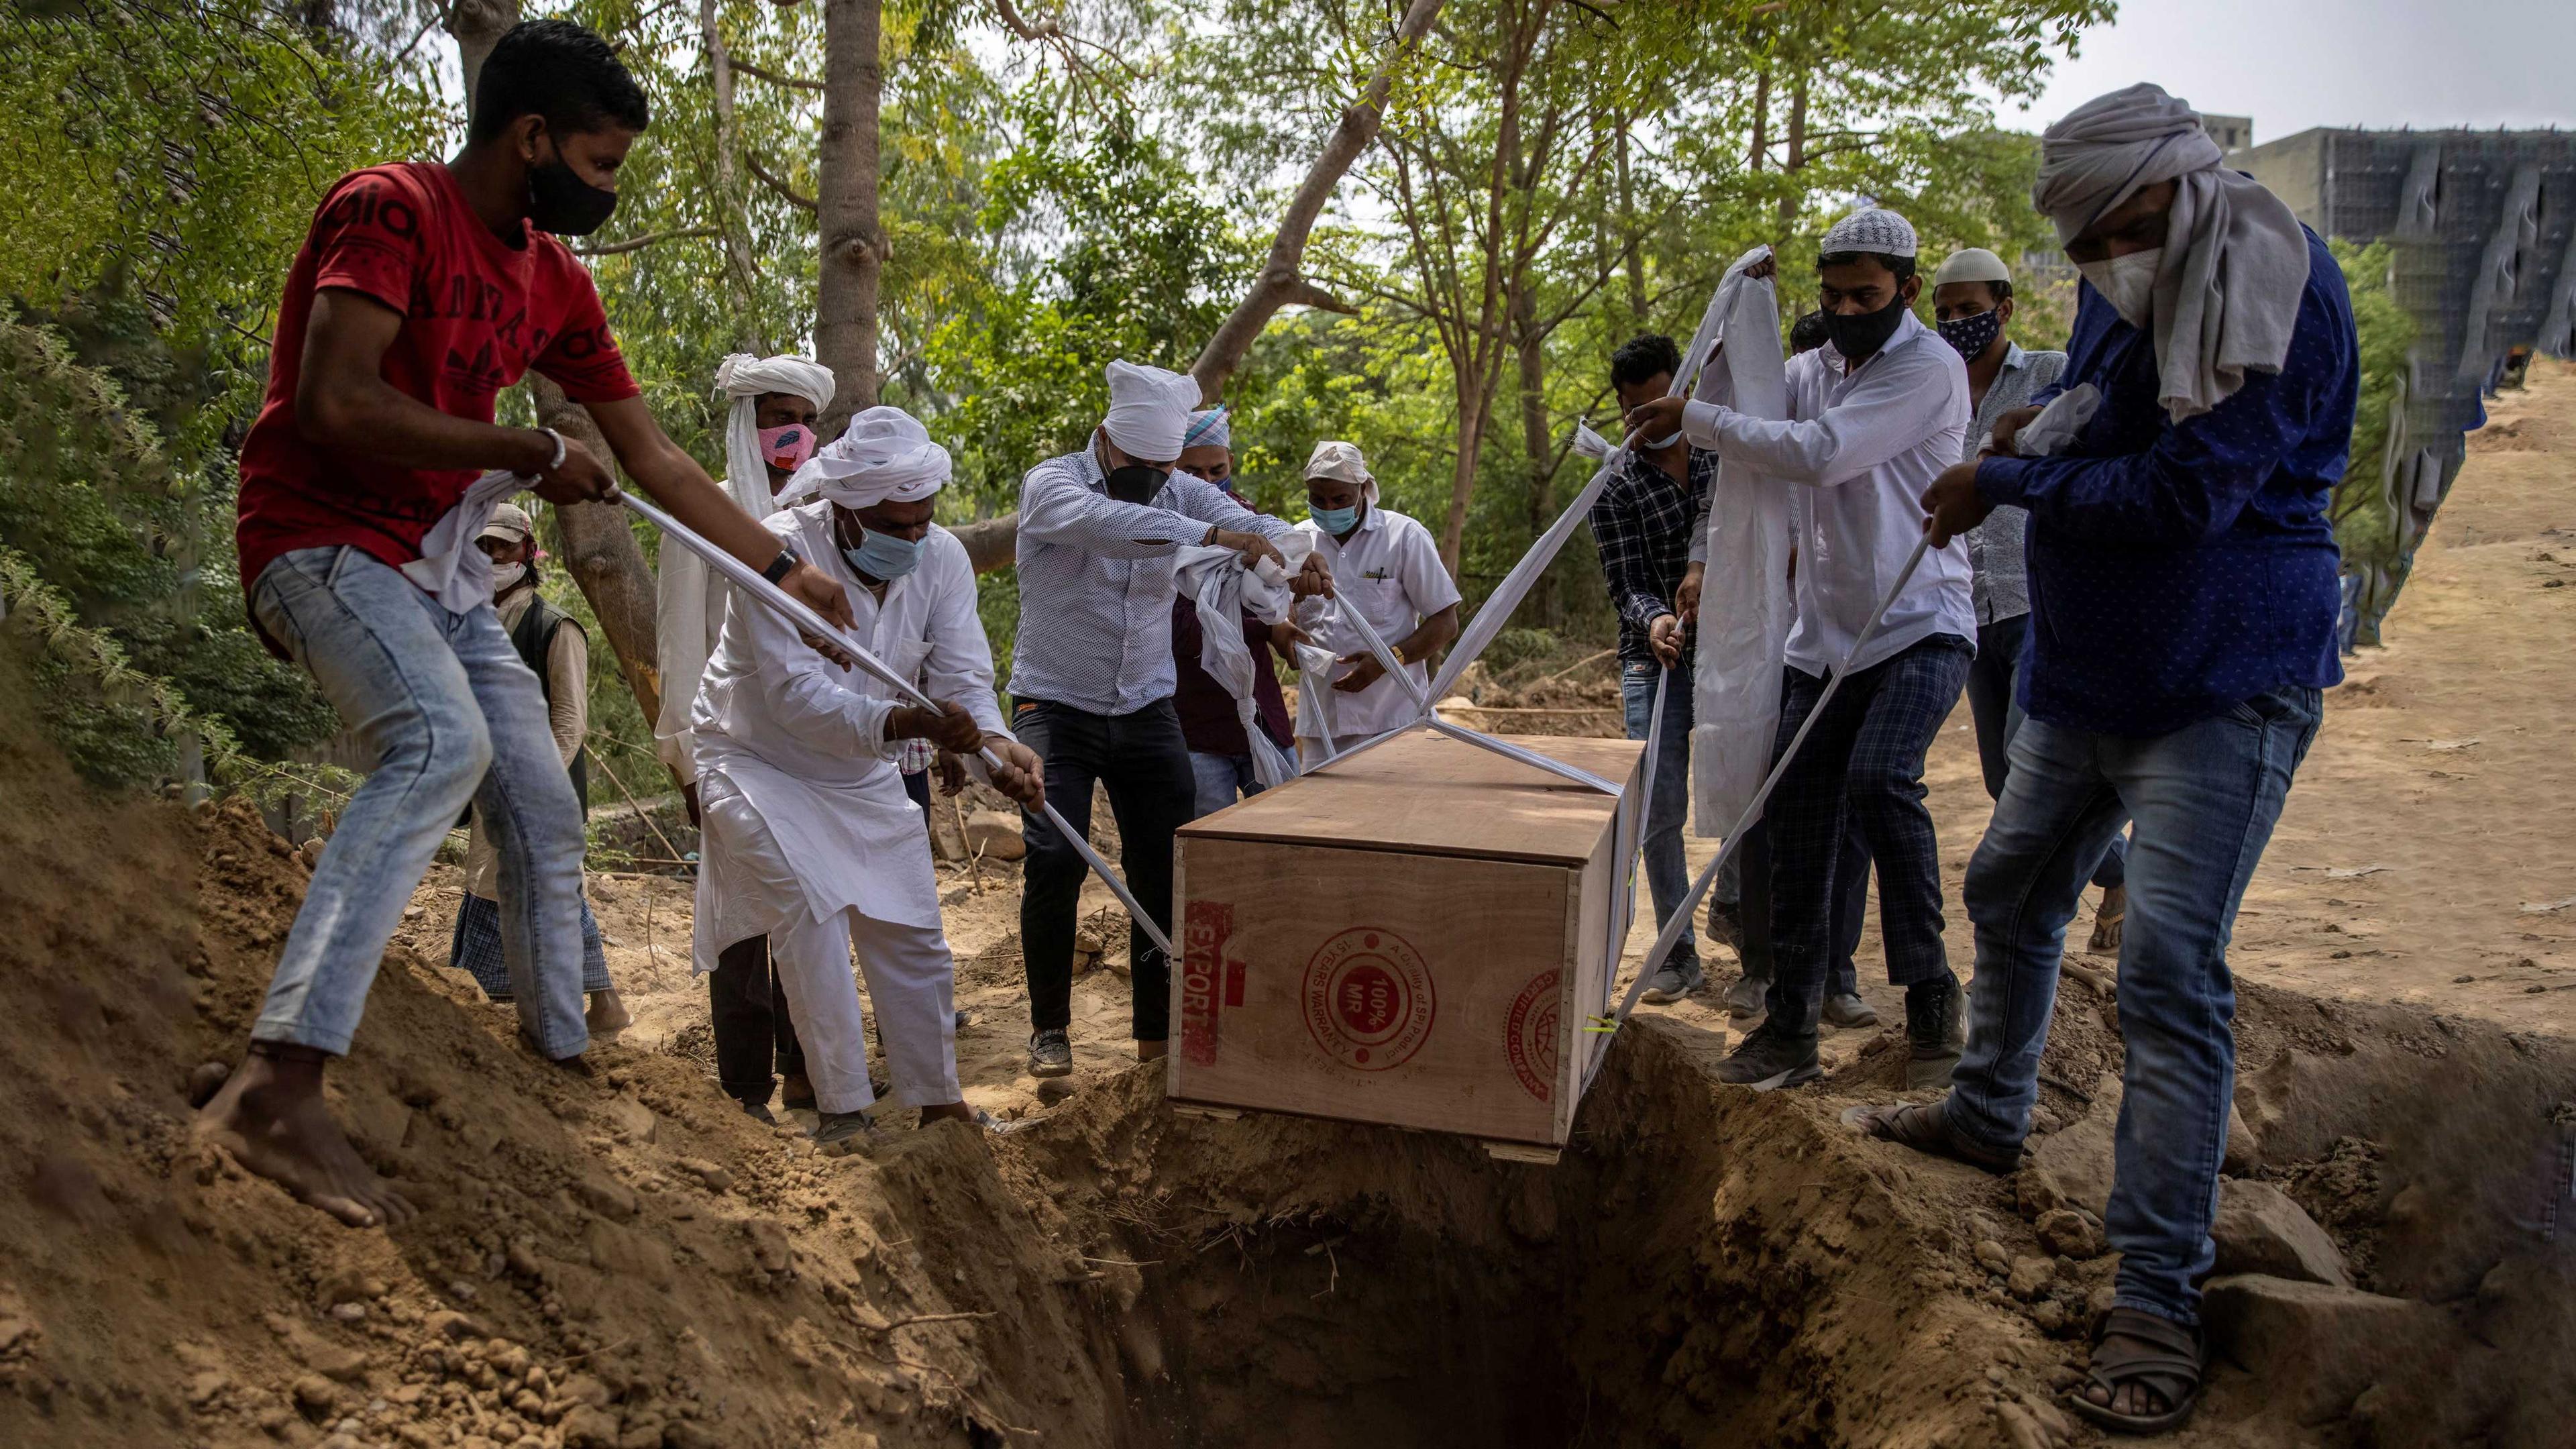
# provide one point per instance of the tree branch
(774, 77)
(1280, 273)
(637, 244)
(779, 184)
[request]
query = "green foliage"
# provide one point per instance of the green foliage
(118, 539)
(2364, 519)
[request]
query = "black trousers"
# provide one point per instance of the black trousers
(1145, 764)
(748, 1011)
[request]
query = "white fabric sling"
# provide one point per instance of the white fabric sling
(1216, 581)
(450, 568)
(1745, 610)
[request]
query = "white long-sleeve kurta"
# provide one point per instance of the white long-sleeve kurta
(1866, 444)
(804, 740)
(689, 612)
(1389, 569)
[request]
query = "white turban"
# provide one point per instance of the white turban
(885, 456)
(743, 378)
(688, 606)
(1149, 411)
(2235, 260)
(1209, 429)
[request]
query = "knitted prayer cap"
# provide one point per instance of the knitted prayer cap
(1871, 229)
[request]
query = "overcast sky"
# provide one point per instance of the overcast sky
(2293, 64)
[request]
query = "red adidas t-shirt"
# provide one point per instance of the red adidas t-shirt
(477, 314)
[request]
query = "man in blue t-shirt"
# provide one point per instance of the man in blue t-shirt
(2183, 598)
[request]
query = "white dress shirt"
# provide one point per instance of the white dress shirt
(1390, 570)
(1096, 582)
(804, 740)
(1866, 443)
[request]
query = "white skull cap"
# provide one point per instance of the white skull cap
(1971, 264)
(1871, 229)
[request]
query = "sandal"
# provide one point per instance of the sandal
(2155, 1354)
(1925, 1127)
(2107, 919)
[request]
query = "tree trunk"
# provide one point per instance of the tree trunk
(1628, 235)
(1531, 346)
(729, 209)
(853, 255)
(1282, 281)
(1797, 156)
(598, 548)
(1758, 153)
(1462, 478)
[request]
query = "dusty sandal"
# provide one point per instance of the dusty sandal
(2157, 1356)
(1924, 1127)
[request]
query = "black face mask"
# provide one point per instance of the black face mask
(1860, 336)
(560, 202)
(1137, 483)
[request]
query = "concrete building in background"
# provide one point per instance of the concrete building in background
(2482, 230)
(2232, 133)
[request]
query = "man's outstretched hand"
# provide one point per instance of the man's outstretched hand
(1952, 505)
(949, 727)
(1315, 577)
(579, 478)
(817, 591)
(1022, 775)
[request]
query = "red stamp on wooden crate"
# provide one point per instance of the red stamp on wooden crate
(1205, 928)
(1368, 999)
(1529, 1036)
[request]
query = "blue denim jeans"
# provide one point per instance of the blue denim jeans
(1222, 779)
(1994, 702)
(1667, 796)
(2203, 799)
(451, 715)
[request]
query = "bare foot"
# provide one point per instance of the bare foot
(606, 1018)
(1148, 1051)
(271, 1118)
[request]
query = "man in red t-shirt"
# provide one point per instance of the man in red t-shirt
(421, 292)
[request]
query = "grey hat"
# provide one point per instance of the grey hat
(1871, 229)
(1971, 264)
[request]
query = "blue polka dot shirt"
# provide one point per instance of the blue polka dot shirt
(2177, 569)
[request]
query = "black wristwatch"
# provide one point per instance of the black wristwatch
(781, 566)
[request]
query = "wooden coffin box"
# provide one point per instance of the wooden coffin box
(1414, 935)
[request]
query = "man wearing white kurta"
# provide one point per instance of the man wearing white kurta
(769, 433)
(1872, 420)
(809, 839)
(1386, 566)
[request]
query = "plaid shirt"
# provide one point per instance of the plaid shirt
(1642, 524)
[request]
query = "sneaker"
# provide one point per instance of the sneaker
(1749, 997)
(1935, 1030)
(838, 1134)
(1672, 984)
(1050, 1053)
(1764, 1061)
(1846, 1009)
(1726, 925)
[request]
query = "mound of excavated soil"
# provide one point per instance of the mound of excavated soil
(623, 1259)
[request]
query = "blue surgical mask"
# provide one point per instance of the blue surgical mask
(884, 556)
(1335, 521)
